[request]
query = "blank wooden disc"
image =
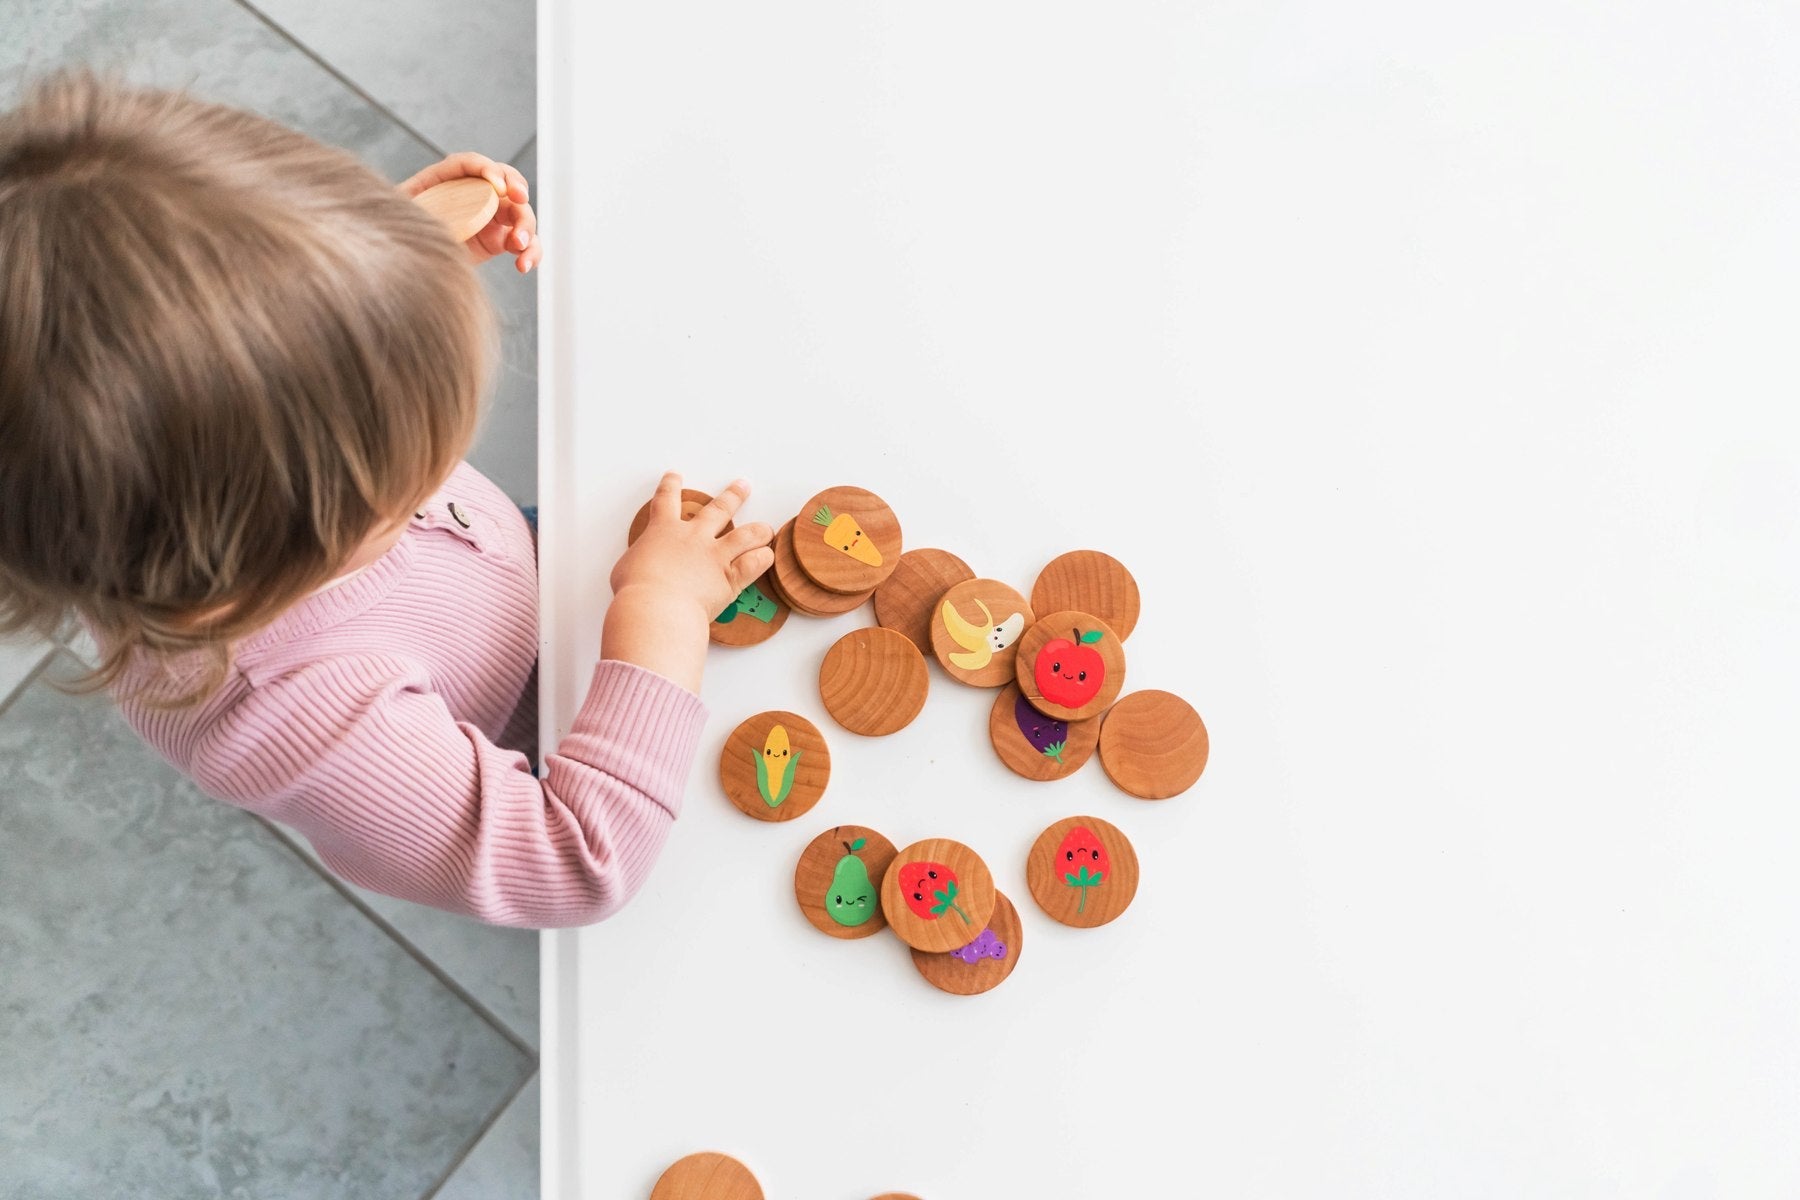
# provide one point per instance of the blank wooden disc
(797, 587)
(830, 892)
(1070, 665)
(984, 964)
(762, 739)
(464, 206)
(1038, 747)
(896, 1196)
(707, 1176)
(1082, 871)
(691, 503)
(975, 631)
(873, 681)
(847, 540)
(909, 598)
(755, 616)
(1154, 745)
(938, 895)
(1089, 581)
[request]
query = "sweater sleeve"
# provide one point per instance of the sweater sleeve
(399, 797)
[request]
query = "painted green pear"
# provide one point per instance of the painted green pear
(851, 900)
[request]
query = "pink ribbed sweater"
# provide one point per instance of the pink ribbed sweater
(373, 718)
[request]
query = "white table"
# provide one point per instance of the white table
(1431, 366)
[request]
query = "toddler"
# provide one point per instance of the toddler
(238, 375)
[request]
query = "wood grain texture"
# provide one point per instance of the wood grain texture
(816, 871)
(1154, 745)
(738, 758)
(949, 973)
(464, 206)
(896, 1196)
(976, 629)
(1054, 645)
(1053, 859)
(873, 681)
(974, 896)
(798, 589)
(746, 629)
(908, 600)
(707, 1176)
(836, 554)
(1008, 724)
(691, 503)
(1089, 581)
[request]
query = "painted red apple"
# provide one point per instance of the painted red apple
(1070, 673)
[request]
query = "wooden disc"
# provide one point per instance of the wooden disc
(832, 893)
(1038, 747)
(847, 540)
(1070, 665)
(909, 598)
(1154, 745)
(798, 589)
(984, 964)
(975, 631)
(755, 616)
(707, 1176)
(464, 206)
(1082, 871)
(942, 875)
(752, 771)
(1089, 581)
(873, 681)
(896, 1196)
(691, 503)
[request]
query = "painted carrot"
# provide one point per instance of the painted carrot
(845, 533)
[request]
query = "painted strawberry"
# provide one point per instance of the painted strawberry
(929, 889)
(1083, 861)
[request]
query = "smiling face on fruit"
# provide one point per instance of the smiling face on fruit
(1070, 673)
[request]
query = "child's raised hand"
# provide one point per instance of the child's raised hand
(688, 563)
(514, 227)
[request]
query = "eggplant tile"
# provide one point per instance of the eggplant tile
(463, 74)
(216, 48)
(187, 1008)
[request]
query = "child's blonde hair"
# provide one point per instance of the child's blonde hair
(228, 354)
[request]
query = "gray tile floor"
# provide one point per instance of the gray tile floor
(189, 1004)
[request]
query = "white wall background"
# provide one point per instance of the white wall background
(1432, 368)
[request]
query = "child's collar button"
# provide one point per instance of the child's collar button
(457, 515)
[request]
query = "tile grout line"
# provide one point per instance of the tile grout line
(487, 1126)
(382, 923)
(527, 144)
(32, 676)
(342, 78)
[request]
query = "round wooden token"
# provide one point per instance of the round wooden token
(1082, 871)
(847, 540)
(873, 681)
(909, 599)
(1038, 747)
(837, 881)
(1089, 581)
(1154, 745)
(464, 205)
(975, 631)
(1070, 665)
(938, 895)
(799, 591)
(707, 1176)
(691, 503)
(983, 964)
(775, 766)
(896, 1196)
(755, 616)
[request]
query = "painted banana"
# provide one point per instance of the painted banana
(775, 767)
(980, 642)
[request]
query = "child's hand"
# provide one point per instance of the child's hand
(687, 563)
(514, 227)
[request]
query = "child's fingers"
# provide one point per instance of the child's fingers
(744, 539)
(665, 502)
(747, 568)
(523, 222)
(715, 516)
(456, 167)
(517, 189)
